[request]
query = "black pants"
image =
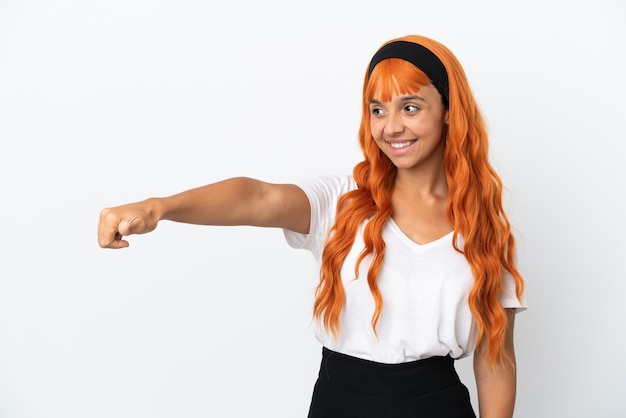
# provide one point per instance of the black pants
(349, 387)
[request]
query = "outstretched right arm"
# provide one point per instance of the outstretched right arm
(236, 201)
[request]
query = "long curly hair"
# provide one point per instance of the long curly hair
(473, 207)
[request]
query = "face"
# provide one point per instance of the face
(409, 128)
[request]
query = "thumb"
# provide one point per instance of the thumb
(124, 228)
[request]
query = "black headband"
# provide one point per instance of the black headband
(419, 56)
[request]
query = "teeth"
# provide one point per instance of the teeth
(400, 144)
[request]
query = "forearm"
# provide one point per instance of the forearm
(496, 391)
(497, 385)
(234, 201)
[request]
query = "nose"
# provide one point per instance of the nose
(393, 124)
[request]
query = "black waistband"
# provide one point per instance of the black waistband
(401, 379)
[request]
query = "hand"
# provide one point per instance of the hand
(117, 222)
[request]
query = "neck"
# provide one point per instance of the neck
(422, 183)
(426, 180)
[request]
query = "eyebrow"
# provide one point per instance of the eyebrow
(414, 97)
(403, 99)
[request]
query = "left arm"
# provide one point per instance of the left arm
(496, 385)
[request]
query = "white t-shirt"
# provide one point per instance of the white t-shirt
(424, 289)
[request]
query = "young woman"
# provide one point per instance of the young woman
(416, 253)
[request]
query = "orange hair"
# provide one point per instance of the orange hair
(474, 203)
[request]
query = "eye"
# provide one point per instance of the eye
(411, 108)
(376, 111)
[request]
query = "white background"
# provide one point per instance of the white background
(106, 102)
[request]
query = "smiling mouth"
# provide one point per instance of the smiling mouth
(400, 145)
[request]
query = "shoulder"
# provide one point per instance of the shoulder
(327, 187)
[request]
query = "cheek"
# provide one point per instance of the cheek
(376, 129)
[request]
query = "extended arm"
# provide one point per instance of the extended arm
(496, 386)
(236, 201)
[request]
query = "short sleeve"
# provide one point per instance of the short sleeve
(323, 193)
(509, 299)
